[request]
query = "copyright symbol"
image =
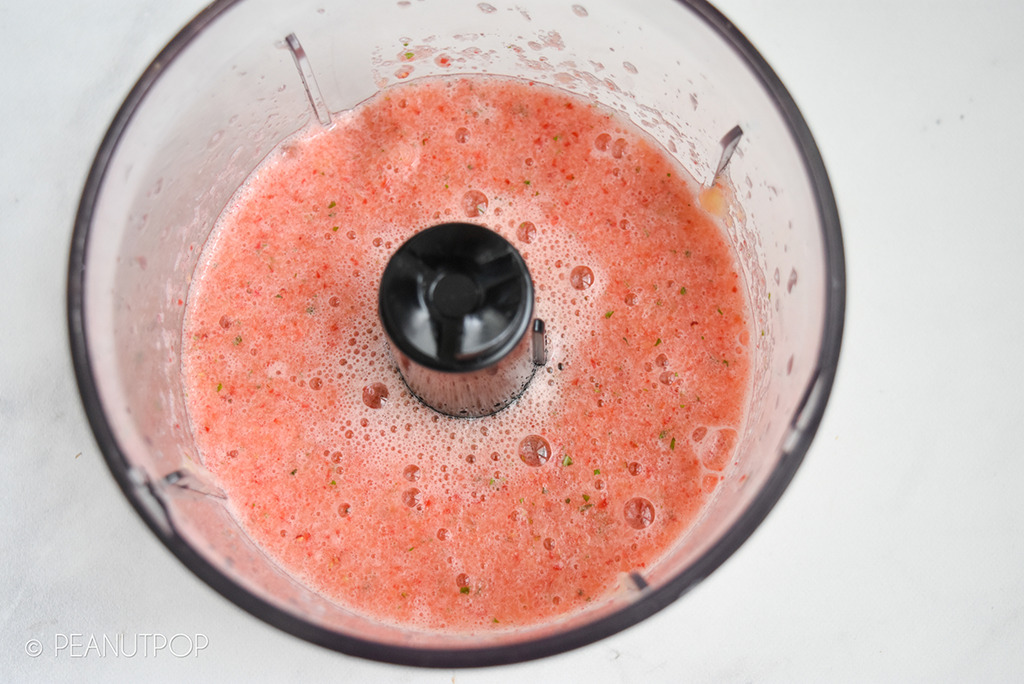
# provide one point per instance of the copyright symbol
(34, 648)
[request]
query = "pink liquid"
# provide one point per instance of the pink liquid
(414, 518)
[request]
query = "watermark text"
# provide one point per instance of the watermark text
(82, 645)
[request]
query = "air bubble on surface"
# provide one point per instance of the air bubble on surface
(534, 450)
(638, 513)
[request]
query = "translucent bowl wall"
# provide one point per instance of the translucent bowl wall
(226, 90)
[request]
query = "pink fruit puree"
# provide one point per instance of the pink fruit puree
(383, 505)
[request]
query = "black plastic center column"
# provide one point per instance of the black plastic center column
(456, 302)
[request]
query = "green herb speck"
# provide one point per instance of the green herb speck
(657, 342)
(219, 387)
(608, 314)
(335, 228)
(586, 497)
(294, 471)
(597, 471)
(682, 290)
(333, 483)
(238, 340)
(567, 461)
(332, 204)
(408, 55)
(672, 444)
(463, 590)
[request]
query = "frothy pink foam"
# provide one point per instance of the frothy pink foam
(440, 523)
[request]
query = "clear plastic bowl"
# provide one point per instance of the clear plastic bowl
(226, 90)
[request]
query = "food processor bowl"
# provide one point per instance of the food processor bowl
(232, 85)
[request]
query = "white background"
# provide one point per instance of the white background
(897, 553)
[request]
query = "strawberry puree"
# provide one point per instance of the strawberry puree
(414, 518)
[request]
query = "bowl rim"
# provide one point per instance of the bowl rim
(807, 417)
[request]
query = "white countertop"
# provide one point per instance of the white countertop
(896, 554)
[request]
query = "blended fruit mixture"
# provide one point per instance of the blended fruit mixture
(414, 518)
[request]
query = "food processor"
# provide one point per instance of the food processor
(245, 75)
